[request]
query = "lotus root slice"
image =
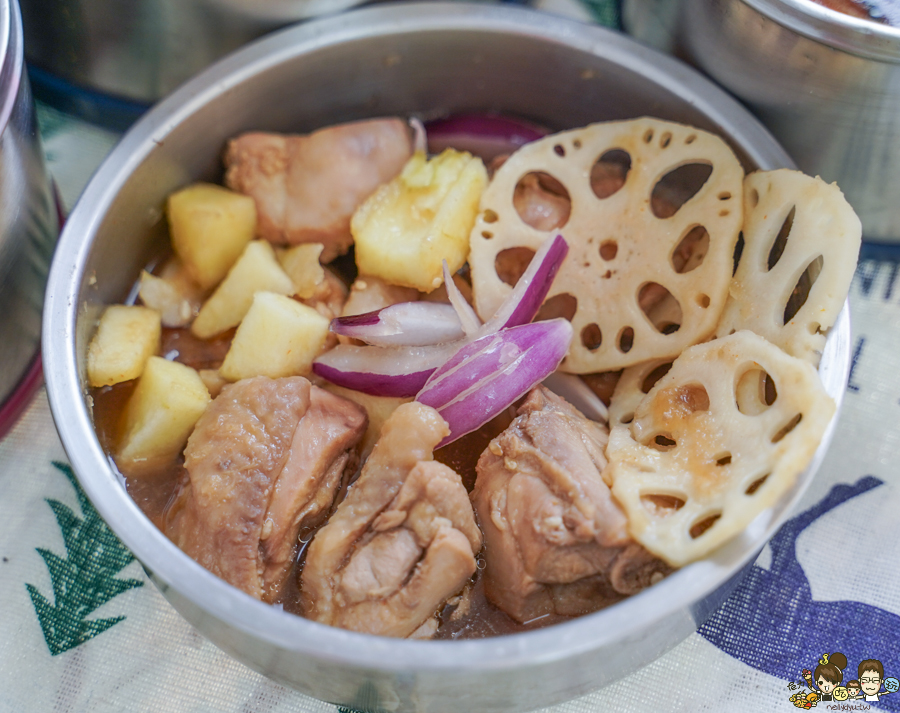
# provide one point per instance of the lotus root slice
(720, 438)
(651, 211)
(801, 242)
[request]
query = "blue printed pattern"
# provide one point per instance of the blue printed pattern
(773, 624)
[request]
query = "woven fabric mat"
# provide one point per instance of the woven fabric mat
(82, 629)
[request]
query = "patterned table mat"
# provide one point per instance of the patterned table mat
(82, 629)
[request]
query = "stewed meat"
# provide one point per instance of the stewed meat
(306, 188)
(265, 459)
(555, 541)
(401, 542)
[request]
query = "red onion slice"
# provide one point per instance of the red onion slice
(382, 371)
(412, 324)
(471, 325)
(403, 370)
(485, 135)
(528, 295)
(488, 375)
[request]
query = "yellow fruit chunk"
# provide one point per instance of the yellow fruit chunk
(210, 226)
(302, 265)
(126, 337)
(278, 337)
(257, 270)
(161, 413)
(408, 226)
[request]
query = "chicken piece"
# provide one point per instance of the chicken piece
(322, 458)
(555, 541)
(402, 541)
(265, 459)
(307, 187)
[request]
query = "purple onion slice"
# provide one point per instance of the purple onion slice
(412, 324)
(471, 325)
(485, 135)
(382, 371)
(528, 295)
(489, 374)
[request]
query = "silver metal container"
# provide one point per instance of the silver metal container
(419, 59)
(28, 224)
(143, 50)
(827, 85)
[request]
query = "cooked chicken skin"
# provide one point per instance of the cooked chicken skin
(402, 541)
(306, 188)
(555, 540)
(265, 460)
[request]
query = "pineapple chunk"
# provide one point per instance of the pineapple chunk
(278, 337)
(160, 415)
(210, 226)
(126, 337)
(176, 300)
(301, 263)
(408, 226)
(257, 270)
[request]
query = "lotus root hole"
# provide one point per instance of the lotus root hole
(677, 187)
(738, 251)
(690, 139)
(787, 428)
(487, 234)
(665, 140)
(576, 143)
(661, 505)
(724, 196)
(542, 201)
(608, 250)
(661, 442)
(662, 309)
(609, 172)
(780, 243)
(723, 459)
(511, 263)
(703, 525)
(755, 392)
(559, 150)
(724, 213)
(753, 198)
(703, 300)
(626, 418)
(801, 290)
(658, 373)
(490, 216)
(563, 305)
(591, 337)
(648, 136)
(691, 250)
(626, 340)
(693, 397)
(756, 485)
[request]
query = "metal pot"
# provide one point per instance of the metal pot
(28, 223)
(827, 85)
(418, 59)
(141, 51)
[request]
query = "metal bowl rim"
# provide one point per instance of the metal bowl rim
(865, 38)
(176, 570)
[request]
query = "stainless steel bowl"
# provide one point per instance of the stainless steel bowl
(409, 59)
(142, 51)
(28, 223)
(826, 84)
